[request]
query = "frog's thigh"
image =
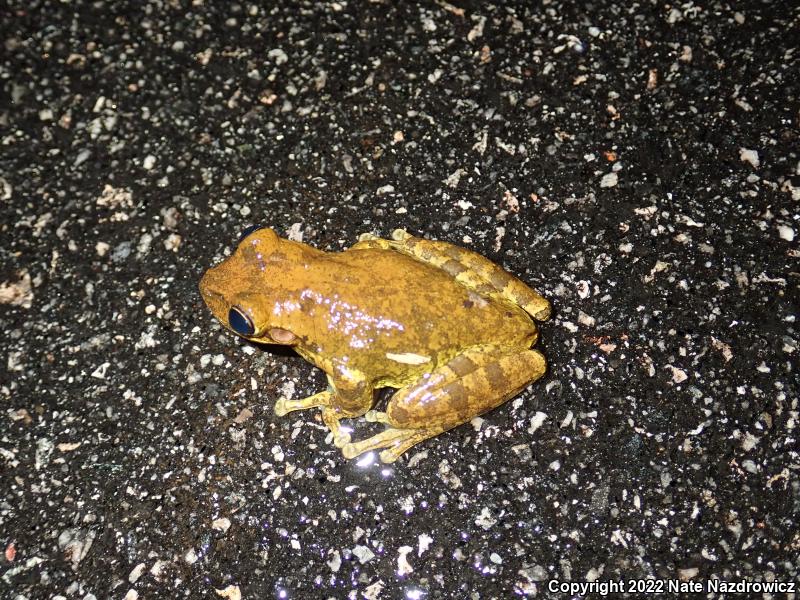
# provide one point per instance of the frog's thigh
(470, 384)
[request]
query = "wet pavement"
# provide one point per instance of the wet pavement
(636, 164)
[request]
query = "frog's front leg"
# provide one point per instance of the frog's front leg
(323, 400)
(284, 406)
(349, 395)
(470, 384)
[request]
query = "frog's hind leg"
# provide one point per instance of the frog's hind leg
(395, 442)
(391, 439)
(468, 268)
(470, 384)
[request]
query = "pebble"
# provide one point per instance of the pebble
(749, 156)
(786, 232)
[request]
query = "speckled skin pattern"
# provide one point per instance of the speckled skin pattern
(634, 162)
(449, 327)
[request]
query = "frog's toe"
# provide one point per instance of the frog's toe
(374, 416)
(350, 450)
(400, 234)
(388, 456)
(280, 407)
(341, 439)
(365, 237)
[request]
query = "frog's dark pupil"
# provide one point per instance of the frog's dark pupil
(240, 322)
(248, 230)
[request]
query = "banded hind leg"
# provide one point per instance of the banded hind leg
(468, 268)
(470, 384)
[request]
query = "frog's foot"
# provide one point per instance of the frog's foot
(284, 406)
(394, 452)
(331, 418)
(373, 416)
(396, 441)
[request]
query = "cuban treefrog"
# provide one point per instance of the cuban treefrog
(446, 327)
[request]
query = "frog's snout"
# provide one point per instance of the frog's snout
(208, 291)
(204, 285)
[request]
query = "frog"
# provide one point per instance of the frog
(449, 330)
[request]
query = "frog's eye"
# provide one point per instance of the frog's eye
(240, 322)
(248, 230)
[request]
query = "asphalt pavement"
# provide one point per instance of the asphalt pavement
(636, 163)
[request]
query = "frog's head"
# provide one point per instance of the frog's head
(245, 291)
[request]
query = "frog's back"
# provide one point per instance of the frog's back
(407, 307)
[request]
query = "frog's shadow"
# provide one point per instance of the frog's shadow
(381, 395)
(275, 349)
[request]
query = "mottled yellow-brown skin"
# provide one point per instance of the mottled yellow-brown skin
(448, 328)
